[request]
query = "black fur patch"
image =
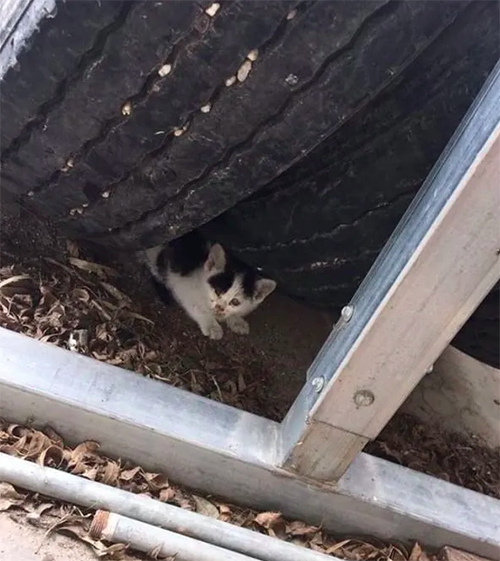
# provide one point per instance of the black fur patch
(222, 282)
(250, 278)
(188, 253)
(162, 261)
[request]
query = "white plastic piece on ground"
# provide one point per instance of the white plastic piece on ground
(146, 538)
(83, 492)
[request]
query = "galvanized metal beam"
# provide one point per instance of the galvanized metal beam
(441, 261)
(223, 451)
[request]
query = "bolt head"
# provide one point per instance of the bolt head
(347, 312)
(364, 398)
(318, 383)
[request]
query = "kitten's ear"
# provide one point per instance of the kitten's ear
(263, 287)
(216, 260)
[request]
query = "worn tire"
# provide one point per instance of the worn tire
(319, 227)
(103, 129)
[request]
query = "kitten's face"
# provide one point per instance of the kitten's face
(232, 294)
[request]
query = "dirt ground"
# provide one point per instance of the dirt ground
(261, 373)
(26, 542)
(285, 335)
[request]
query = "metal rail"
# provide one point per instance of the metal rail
(439, 264)
(223, 451)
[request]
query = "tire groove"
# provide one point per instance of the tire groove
(162, 150)
(66, 84)
(129, 230)
(111, 124)
(336, 263)
(389, 6)
(325, 235)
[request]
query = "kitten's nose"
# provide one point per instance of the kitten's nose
(218, 309)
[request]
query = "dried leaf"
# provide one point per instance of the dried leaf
(115, 551)
(155, 481)
(298, 528)
(205, 507)
(111, 473)
(90, 473)
(135, 315)
(268, 519)
(129, 474)
(14, 279)
(337, 546)
(101, 271)
(7, 491)
(72, 248)
(9, 497)
(417, 553)
(52, 456)
(167, 495)
(155, 552)
(36, 514)
(81, 294)
(118, 294)
(89, 447)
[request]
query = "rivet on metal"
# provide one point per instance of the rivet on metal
(318, 383)
(347, 312)
(364, 398)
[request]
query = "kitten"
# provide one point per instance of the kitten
(210, 285)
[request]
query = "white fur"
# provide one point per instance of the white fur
(200, 301)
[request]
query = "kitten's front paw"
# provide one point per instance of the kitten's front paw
(238, 325)
(214, 331)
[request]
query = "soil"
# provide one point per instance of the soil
(28, 542)
(275, 356)
(261, 373)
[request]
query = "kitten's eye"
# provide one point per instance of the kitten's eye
(234, 302)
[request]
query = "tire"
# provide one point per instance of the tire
(105, 157)
(318, 228)
(110, 142)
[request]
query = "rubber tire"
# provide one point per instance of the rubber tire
(125, 155)
(110, 145)
(319, 227)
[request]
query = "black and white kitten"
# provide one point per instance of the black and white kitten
(210, 285)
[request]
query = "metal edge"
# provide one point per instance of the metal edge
(472, 134)
(222, 451)
(19, 19)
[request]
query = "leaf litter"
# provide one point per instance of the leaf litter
(47, 448)
(74, 303)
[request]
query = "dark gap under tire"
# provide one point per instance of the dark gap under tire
(130, 135)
